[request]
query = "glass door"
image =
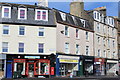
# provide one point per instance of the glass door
(30, 69)
(62, 69)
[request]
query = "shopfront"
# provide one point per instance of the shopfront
(2, 65)
(67, 64)
(99, 66)
(112, 66)
(88, 65)
(27, 66)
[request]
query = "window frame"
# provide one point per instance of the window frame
(19, 47)
(25, 16)
(5, 29)
(6, 47)
(40, 47)
(77, 48)
(87, 35)
(3, 7)
(87, 50)
(67, 48)
(67, 31)
(77, 33)
(41, 15)
(22, 30)
(43, 32)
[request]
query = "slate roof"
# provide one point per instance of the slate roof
(76, 22)
(30, 15)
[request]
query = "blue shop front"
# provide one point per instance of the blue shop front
(67, 64)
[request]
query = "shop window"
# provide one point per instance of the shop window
(89, 67)
(42, 67)
(1, 65)
(19, 66)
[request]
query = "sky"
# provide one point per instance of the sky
(112, 7)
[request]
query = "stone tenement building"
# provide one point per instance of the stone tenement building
(37, 41)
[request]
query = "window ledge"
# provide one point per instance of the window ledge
(6, 35)
(41, 36)
(21, 35)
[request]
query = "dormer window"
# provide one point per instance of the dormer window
(41, 15)
(6, 12)
(63, 16)
(22, 13)
(83, 22)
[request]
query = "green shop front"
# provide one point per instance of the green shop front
(87, 65)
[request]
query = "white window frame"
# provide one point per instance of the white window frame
(3, 12)
(87, 50)
(20, 30)
(6, 29)
(41, 14)
(87, 36)
(63, 16)
(43, 30)
(19, 13)
(98, 53)
(67, 31)
(67, 48)
(4, 46)
(78, 33)
(77, 48)
(83, 22)
(98, 26)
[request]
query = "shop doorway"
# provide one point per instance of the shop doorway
(9, 70)
(67, 68)
(30, 69)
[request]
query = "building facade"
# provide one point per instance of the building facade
(105, 38)
(24, 47)
(74, 45)
(105, 43)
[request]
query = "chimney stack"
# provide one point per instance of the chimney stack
(77, 8)
(43, 3)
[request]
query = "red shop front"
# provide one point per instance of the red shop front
(31, 67)
(99, 65)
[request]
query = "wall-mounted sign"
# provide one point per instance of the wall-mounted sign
(68, 61)
(32, 57)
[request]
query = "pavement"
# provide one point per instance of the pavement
(74, 78)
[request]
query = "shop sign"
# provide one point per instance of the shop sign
(89, 60)
(32, 57)
(99, 60)
(68, 61)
